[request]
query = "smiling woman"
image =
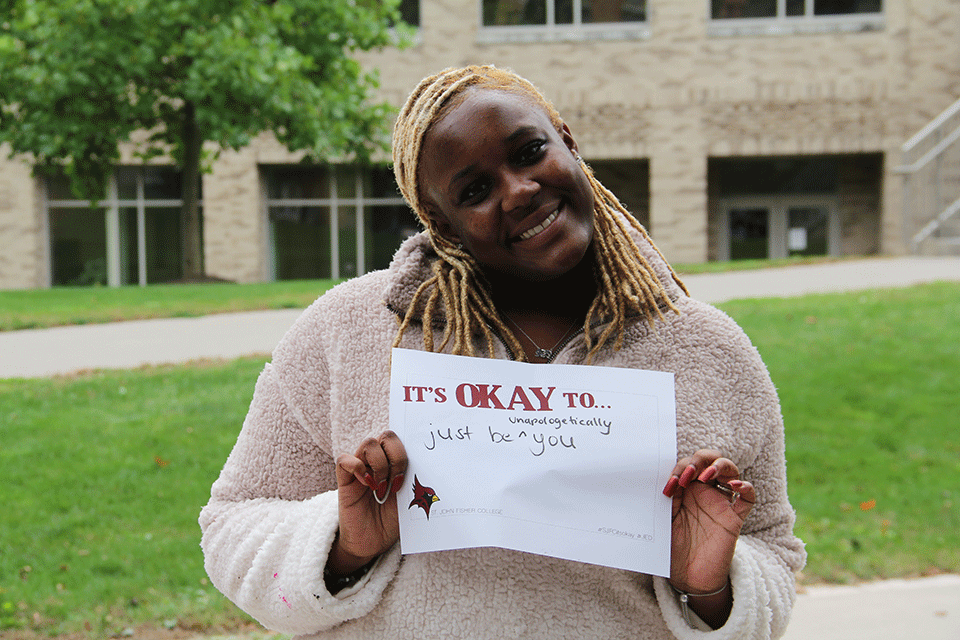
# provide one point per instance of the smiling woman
(493, 172)
(525, 256)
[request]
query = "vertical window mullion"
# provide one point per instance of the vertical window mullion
(114, 278)
(142, 231)
(358, 223)
(334, 226)
(552, 12)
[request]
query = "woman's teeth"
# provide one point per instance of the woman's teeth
(529, 233)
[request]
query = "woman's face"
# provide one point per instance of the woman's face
(500, 179)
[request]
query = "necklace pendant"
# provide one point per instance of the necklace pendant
(543, 353)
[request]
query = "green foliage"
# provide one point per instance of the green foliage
(79, 77)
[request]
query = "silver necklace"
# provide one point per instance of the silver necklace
(545, 354)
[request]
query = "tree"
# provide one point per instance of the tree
(78, 78)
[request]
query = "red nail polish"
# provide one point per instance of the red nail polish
(671, 486)
(369, 481)
(687, 475)
(397, 483)
(708, 474)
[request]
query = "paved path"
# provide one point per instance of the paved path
(926, 608)
(44, 352)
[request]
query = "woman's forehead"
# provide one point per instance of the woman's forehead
(482, 107)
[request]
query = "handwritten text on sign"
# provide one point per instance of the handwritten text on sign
(560, 460)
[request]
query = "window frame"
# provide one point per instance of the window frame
(111, 204)
(808, 23)
(551, 32)
(333, 201)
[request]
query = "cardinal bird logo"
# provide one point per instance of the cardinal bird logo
(423, 497)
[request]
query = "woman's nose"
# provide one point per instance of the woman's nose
(518, 192)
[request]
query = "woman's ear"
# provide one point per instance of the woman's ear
(442, 227)
(568, 139)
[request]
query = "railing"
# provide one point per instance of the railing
(931, 185)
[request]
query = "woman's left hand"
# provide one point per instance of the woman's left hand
(706, 520)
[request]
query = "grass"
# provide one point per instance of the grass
(40, 308)
(105, 472)
(869, 383)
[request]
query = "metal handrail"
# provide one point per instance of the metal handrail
(931, 126)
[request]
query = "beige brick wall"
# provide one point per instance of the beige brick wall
(23, 260)
(672, 100)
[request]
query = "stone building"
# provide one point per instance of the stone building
(731, 128)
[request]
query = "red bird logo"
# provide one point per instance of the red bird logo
(423, 497)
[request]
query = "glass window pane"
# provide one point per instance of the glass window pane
(720, 9)
(380, 183)
(807, 231)
(301, 242)
(127, 182)
(749, 231)
(563, 11)
(347, 239)
(78, 242)
(839, 7)
(514, 12)
(129, 249)
(797, 7)
(163, 243)
(161, 183)
(297, 182)
(613, 11)
(385, 228)
(410, 12)
(345, 182)
(58, 188)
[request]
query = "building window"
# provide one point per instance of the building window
(756, 17)
(131, 236)
(335, 221)
(410, 12)
(546, 20)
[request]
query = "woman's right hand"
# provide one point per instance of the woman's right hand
(373, 474)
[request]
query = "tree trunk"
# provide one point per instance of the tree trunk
(190, 227)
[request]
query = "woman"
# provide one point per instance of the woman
(525, 256)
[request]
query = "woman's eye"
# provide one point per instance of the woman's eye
(530, 152)
(473, 192)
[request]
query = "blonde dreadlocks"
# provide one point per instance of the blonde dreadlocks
(626, 284)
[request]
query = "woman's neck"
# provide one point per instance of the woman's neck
(568, 296)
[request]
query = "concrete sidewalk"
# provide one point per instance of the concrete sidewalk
(62, 350)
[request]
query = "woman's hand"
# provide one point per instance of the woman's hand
(707, 517)
(367, 483)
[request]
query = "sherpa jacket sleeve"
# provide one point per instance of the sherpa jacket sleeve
(744, 421)
(273, 516)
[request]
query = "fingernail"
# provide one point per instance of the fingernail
(369, 481)
(383, 487)
(687, 475)
(708, 474)
(671, 486)
(397, 483)
(736, 484)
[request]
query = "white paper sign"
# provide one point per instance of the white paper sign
(566, 461)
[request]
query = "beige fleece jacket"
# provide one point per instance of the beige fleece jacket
(272, 516)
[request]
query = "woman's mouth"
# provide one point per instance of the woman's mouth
(529, 233)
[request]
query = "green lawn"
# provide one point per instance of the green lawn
(38, 308)
(105, 473)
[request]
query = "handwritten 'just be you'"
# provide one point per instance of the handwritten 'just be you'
(533, 430)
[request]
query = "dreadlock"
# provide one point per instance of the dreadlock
(626, 284)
